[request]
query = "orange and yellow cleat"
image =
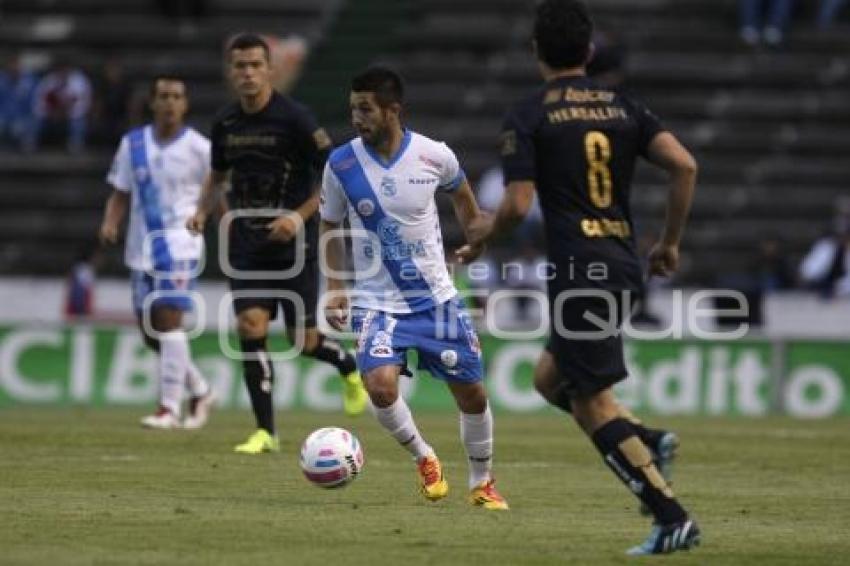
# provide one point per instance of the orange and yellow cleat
(434, 485)
(485, 495)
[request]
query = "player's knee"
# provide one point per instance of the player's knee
(543, 384)
(594, 410)
(165, 319)
(545, 378)
(383, 391)
(475, 403)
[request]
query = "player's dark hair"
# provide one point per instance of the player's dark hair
(164, 77)
(383, 81)
(248, 41)
(562, 31)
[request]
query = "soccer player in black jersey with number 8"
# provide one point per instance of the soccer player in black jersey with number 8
(274, 151)
(576, 144)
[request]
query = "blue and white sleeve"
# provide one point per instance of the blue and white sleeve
(451, 175)
(333, 204)
(120, 174)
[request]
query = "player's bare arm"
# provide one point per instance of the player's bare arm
(666, 152)
(469, 216)
(209, 200)
(116, 208)
(515, 205)
(334, 253)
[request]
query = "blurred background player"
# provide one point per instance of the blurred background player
(576, 143)
(273, 149)
(157, 174)
(385, 182)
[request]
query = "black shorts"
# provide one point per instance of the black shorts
(304, 285)
(588, 365)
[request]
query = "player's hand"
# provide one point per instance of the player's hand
(336, 311)
(663, 259)
(467, 253)
(108, 233)
(477, 234)
(284, 227)
(196, 222)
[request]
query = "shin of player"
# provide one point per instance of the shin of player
(385, 182)
(157, 173)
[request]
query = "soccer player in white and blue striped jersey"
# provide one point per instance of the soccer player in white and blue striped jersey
(385, 182)
(157, 174)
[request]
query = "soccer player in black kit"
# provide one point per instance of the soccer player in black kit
(576, 144)
(274, 152)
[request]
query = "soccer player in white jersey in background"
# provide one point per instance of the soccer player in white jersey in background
(157, 175)
(385, 182)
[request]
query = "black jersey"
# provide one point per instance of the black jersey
(275, 157)
(578, 142)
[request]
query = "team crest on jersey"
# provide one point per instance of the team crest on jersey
(365, 207)
(382, 338)
(388, 231)
(142, 174)
(388, 188)
(449, 358)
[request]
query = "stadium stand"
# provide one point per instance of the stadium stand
(769, 127)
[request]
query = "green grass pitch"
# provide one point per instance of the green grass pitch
(86, 486)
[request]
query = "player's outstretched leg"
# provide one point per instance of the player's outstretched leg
(476, 433)
(394, 415)
(327, 350)
(630, 460)
(662, 444)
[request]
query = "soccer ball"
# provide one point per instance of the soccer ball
(331, 457)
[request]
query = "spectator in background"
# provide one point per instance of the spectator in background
(774, 271)
(114, 96)
(62, 99)
(826, 268)
(17, 88)
(828, 11)
(764, 20)
(79, 296)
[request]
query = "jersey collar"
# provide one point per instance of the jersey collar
(405, 141)
(164, 144)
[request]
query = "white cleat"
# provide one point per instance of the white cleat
(162, 419)
(199, 411)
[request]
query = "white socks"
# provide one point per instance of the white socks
(476, 432)
(399, 423)
(195, 382)
(174, 361)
